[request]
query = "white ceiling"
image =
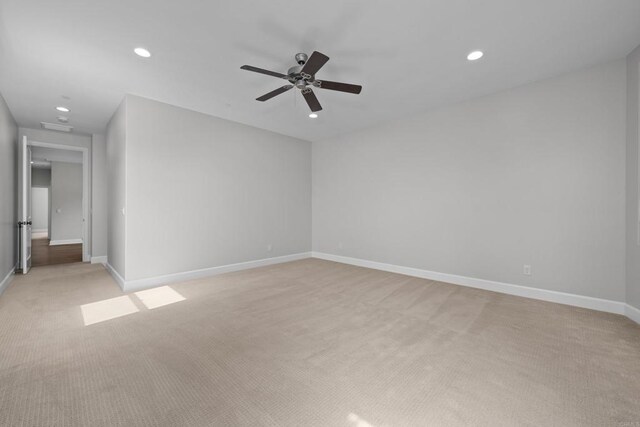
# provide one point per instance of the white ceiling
(55, 155)
(408, 55)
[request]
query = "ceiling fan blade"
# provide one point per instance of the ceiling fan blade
(262, 71)
(273, 93)
(314, 63)
(311, 99)
(341, 87)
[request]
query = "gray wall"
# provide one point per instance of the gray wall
(40, 208)
(633, 205)
(40, 177)
(116, 191)
(8, 190)
(99, 196)
(203, 192)
(66, 201)
(534, 175)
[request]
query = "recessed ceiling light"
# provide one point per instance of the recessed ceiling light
(475, 55)
(140, 51)
(313, 115)
(63, 109)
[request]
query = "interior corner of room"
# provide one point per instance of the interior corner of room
(455, 230)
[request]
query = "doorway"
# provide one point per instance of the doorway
(55, 205)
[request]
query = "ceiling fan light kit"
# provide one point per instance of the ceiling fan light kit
(303, 77)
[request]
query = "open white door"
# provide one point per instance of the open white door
(25, 215)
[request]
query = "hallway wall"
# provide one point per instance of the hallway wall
(116, 189)
(40, 209)
(632, 187)
(40, 177)
(66, 202)
(8, 177)
(99, 228)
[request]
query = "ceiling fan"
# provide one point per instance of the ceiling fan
(303, 77)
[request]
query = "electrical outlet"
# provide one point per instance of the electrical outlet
(269, 247)
(339, 245)
(526, 270)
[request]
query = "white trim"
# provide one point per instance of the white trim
(139, 284)
(64, 242)
(7, 280)
(116, 276)
(40, 230)
(25, 195)
(505, 288)
(99, 259)
(632, 313)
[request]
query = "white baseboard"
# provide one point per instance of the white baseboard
(116, 276)
(99, 259)
(140, 284)
(64, 242)
(7, 280)
(505, 288)
(39, 230)
(632, 313)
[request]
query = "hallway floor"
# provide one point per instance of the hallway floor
(306, 343)
(43, 254)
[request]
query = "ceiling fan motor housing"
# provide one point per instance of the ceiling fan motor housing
(294, 71)
(301, 58)
(295, 74)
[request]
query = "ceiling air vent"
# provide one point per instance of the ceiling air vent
(55, 126)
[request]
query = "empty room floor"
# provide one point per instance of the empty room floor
(307, 343)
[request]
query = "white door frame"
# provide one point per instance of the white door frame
(25, 217)
(86, 230)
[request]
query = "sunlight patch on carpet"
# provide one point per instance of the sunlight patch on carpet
(357, 421)
(107, 309)
(158, 297)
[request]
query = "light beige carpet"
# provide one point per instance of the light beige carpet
(308, 343)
